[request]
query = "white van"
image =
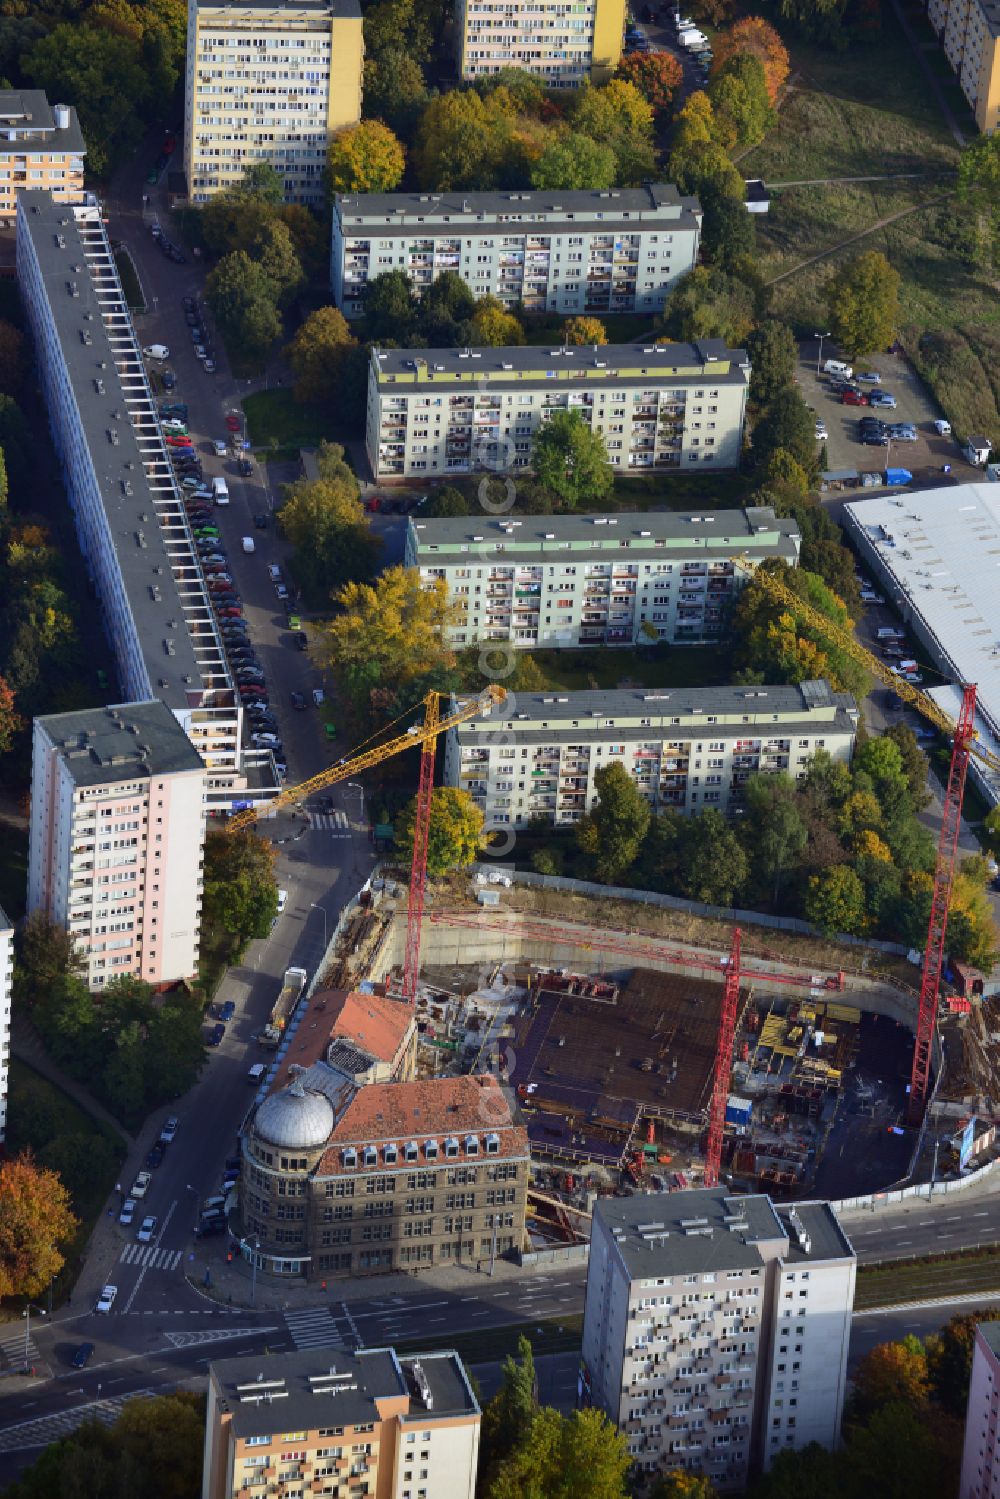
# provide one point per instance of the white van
(248, 544)
(838, 367)
(220, 491)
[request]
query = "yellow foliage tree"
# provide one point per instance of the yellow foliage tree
(585, 330)
(868, 844)
(493, 325)
(365, 158)
(35, 1218)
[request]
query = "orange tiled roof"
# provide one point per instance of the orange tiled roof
(375, 1023)
(437, 1107)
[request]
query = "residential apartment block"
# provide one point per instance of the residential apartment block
(981, 1451)
(6, 983)
(41, 145)
(117, 838)
(566, 580)
(132, 528)
(686, 748)
(343, 1177)
(662, 407)
(970, 33)
(562, 44)
(327, 1422)
(269, 81)
(540, 251)
(716, 1328)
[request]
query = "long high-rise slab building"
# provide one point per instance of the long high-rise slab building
(562, 42)
(594, 252)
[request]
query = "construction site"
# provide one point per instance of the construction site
(608, 1034)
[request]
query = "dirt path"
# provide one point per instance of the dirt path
(26, 1045)
(853, 239)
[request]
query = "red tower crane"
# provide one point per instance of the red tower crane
(418, 866)
(944, 875)
(723, 1065)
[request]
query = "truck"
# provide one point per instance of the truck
(284, 1007)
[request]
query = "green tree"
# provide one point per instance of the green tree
(570, 459)
(446, 502)
(573, 162)
(174, 1052)
(274, 251)
(709, 303)
(461, 141)
(317, 355)
(35, 1219)
(786, 423)
(390, 309)
(835, 902)
(507, 1418)
(563, 1457)
(713, 865)
(393, 24)
(365, 158)
(979, 172)
(810, 1473)
(44, 956)
(611, 833)
(240, 294)
(679, 1484)
(862, 300)
(743, 111)
(4, 485)
(325, 522)
(241, 893)
(774, 355)
(774, 831)
(729, 233)
(621, 118)
(105, 75)
(897, 1455)
(395, 90)
(949, 1358)
(525, 91)
(455, 831)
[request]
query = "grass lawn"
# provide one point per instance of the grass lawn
(857, 117)
(130, 281)
(275, 420)
(606, 668)
(42, 1116)
(495, 1343)
(919, 1280)
(13, 871)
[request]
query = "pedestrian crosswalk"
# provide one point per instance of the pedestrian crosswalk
(331, 822)
(13, 1351)
(21, 1436)
(314, 1328)
(151, 1257)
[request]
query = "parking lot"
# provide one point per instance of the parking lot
(924, 458)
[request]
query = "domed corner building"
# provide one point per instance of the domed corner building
(344, 1177)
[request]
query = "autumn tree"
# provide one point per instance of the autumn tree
(461, 141)
(611, 833)
(384, 643)
(317, 355)
(455, 832)
(571, 161)
(493, 326)
(678, 1483)
(891, 1372)
(570, 459)
(584, 330)
(753, 37)
(240, 896)
(365, 158)
(35, 1219)
(657, 76)
(11, 721)
(618, 116)
(326, 524)
(949, 1358)
(862, 300)
(835, 902)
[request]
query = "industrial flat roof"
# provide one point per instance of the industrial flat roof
(715, 710)
(529, 364)
(298, 1391)
(515, 206)
(121, 742)
(827, 1240)
(28, 110)
(663, 1234)
(938, 555)
(625, 533)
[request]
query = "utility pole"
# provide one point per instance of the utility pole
(819, 356)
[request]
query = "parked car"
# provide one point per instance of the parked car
(318, 696)
(821, 433)
(169, 1130)
(156, 351)
(228, 1010)
(127, 1212)
(298, 700)
(141, 1185)
(209, 1227)
(234, 421)
(942, 428)
(903, 434)
(81, 1358)
(882, 398)
(853, 398)
(147, 1228)
(872, 438)
(302, 641)
(869, 377)
(106, 1300)
(155, 1156)
(169, 379)
(216, 1034)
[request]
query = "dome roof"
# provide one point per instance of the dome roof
(295, 1119)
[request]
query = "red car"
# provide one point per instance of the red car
(854, 398)
(179, 442)
(234, 423)
(231, 611)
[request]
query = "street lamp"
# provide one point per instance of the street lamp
(819, 356)
(27, 1328)
(314, 907)
(246, 1244)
